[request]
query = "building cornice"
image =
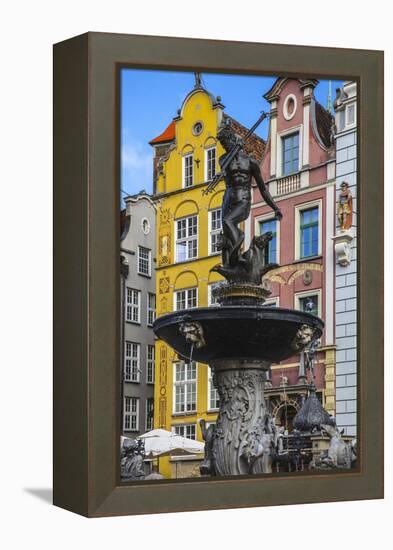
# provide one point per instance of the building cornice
(158, 196)
(186, 262)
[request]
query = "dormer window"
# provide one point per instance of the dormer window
(290, 154)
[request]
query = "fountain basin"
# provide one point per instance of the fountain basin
(243, 332)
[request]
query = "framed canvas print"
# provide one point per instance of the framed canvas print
(218, 310)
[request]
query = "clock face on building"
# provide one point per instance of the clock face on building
(145, 226)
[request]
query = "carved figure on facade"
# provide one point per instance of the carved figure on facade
(344, 210)
(164, 249)
(164, 285)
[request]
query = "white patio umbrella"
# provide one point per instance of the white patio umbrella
(161, 442)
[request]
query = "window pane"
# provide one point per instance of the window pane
(290, 155)
(191, 396)
(211, 163)
(271, 250)
(351, 114)
(143, 260)
(188, 170)
(309, 231)
(192, 226)
(179, 398)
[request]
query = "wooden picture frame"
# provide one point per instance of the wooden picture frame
(86, 273)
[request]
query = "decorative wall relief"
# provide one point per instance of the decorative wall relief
(164, 249)
(164, 285)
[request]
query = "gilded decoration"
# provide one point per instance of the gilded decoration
(163, 285)
(302, 270)
(165, 216)
(163, 366)
(164, 249)
(162, 412)
(164, 305)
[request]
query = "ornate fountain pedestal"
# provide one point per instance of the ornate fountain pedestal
(239, 340)
(242, 440)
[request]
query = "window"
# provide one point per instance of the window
(309, 303)
(350, 111)
(210, 160)
(144, 261)
(132, 362)
(186, 238)
(186, 299)
(309, 232)
(290, 154)
(214, 399)
(185, 387)
(131, 414)
(133, 302)
(188, 170)
(185, 430)
(149, 413)
(150, 357)
(151, 309)
(271, 250)
(211, 300)
(215, 230)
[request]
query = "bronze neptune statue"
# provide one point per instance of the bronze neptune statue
(238, 169)
(241, 339)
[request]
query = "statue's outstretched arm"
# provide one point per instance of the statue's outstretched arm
(256, 173)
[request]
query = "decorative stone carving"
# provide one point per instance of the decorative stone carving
(164, 249)
(307, 277)
(303, 337)
(244, 437)
(163, 285)
(241, 293)
(131, 460)
(193, 333)
(340, 453)
(342, 247)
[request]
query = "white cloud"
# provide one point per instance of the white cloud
(136, 166)
(135, 155)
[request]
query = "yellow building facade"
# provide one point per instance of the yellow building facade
(188, 223)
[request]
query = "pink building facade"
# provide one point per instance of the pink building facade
(298, 166)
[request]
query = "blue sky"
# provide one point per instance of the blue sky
(150, 99)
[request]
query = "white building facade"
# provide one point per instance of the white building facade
(345, 243)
